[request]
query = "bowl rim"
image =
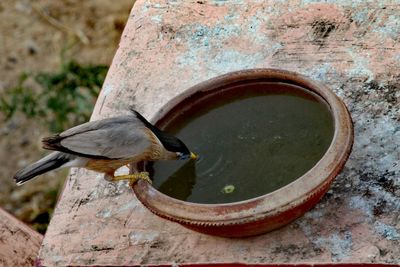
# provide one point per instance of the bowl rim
(318, 178)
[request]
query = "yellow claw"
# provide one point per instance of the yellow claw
(133, 178)
(193, 156)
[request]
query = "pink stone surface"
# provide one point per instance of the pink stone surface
(19, 244)
(167, 46)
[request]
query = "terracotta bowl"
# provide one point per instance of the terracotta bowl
(270, 211)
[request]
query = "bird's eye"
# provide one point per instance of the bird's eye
(181, 156)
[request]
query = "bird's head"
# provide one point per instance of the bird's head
(184, 153)
(176, 149)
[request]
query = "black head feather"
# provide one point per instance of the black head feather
(170, 142)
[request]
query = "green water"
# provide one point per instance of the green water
(249, 144)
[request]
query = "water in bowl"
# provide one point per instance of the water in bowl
(252, 139)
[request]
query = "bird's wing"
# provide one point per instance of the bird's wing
(114, 138)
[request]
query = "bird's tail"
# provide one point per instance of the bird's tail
(48, 163)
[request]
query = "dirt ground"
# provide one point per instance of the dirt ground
(34, 35)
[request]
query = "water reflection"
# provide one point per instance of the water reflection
(180, 184)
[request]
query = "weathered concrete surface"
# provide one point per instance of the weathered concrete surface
(19, 244)
(168, 46)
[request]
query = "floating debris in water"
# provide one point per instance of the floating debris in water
(228, 189)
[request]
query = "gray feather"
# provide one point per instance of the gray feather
(101, 124)
(48, 163)
(115, 138)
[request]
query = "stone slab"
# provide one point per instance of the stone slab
(167, 46)
(19, 244)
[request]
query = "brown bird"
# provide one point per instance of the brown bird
(106, 145)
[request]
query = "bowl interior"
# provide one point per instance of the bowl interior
(253, 137)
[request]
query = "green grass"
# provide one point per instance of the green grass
(65, 98)
(58, 100)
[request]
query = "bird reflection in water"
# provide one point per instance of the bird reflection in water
(180, 184)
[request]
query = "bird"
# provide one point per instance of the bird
(106, 145)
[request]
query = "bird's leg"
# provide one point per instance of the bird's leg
(133, 178)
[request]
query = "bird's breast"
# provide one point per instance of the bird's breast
(109, 166)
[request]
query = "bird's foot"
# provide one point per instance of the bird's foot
(133, 178)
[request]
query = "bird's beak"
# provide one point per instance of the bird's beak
(193, 156)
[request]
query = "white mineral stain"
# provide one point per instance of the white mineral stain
(344, 3)
(140, 238)
(361, 16)
(131, 205)
(387, 231)
(107, 89)
(145, 8)
(104, 214)
(320, 72)
(339, 245)
(397, 57)
(361, 203)
(230, 2)
(205, 49)
(390, 28)
(157, 19)
(360, 66)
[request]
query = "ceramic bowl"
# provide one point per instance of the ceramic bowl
(270, 211)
